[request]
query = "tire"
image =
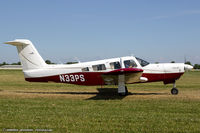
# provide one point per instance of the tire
(174, 91)
(122, 94)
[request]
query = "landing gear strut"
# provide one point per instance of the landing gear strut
(125, 93)
(174, 90)
(122, 89)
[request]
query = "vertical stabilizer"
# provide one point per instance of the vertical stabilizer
(28, 55)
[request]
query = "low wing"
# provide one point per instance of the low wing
(131, 75)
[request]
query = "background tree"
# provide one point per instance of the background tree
(71, 62)
(48, 62)
(196, 66)
(18, 63)
(4, 63)
(188, 62)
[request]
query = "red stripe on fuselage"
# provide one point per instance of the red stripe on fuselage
(82, 78)
(166, 77)
(94, 78)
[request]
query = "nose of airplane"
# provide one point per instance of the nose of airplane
(188, 67)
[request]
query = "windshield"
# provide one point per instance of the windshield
(142, 62)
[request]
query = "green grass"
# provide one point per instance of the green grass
(69, 108)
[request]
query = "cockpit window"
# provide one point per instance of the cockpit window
(142, 62)
(115, 65)
(130, 64)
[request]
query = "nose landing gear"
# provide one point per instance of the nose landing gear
(174, 90)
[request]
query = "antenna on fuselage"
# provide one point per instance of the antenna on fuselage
(185, 60)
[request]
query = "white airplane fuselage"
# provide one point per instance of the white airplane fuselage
(117, 71)
(74, 73)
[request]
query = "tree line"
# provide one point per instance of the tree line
(4, 63)
(49, 62)
(196, 66)
(19, 63)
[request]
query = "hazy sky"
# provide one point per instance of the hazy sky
(66, 30)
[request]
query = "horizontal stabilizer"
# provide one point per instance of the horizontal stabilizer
(18, 42)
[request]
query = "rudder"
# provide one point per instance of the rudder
(28, 54)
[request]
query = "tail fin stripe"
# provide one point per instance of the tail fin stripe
(29, 60)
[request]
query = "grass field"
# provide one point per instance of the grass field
(148, 108)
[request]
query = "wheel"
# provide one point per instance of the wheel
(174, 91)
(122, 94)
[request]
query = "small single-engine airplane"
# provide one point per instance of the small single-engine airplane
(115, 71)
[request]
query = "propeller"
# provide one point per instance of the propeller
(188, 67)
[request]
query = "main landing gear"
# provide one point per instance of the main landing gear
(174, 90)
(122, 89)
(125, 93)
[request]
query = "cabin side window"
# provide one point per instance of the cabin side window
(85, 69)
(115, 65)
(130, 64)
(99, 67)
